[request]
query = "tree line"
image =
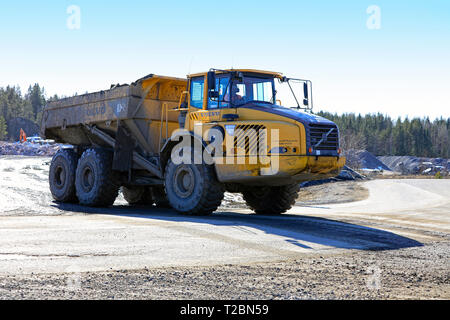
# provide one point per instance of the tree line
(377, 133)
(14, 104)
(382, 135)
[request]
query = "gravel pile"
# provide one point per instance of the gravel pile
(28, 149)
(364, 160)
(415, 165)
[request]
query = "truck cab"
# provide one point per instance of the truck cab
(243, 105)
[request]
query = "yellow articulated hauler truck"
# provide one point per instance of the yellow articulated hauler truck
(181, 143)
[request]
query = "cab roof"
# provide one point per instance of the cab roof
(272, 73)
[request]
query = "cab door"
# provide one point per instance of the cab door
(200, 113)
(220, 106)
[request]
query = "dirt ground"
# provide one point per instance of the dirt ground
(336, 192)
(413, 273)
(420, 270)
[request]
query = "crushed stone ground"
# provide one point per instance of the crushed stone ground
(413, 273)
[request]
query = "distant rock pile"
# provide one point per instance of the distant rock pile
(348, 173)
(415, 165)
(28, 149)
(364, 160)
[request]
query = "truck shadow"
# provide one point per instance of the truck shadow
(303, 231)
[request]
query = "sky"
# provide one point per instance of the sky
(391, 57)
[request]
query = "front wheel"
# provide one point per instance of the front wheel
(271, 200)
(193, 189)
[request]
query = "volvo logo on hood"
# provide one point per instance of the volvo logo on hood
(230, 129)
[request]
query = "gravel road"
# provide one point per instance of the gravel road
(389, 240)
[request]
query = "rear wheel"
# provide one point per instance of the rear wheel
(62, 175)
(138, 195)
(95, 183)
(271, 200)
(193, 189)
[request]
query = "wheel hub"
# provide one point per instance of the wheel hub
(184, 181)
(88, 179)
(60, 177)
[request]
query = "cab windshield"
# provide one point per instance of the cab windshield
(235, 93)
(251, 89)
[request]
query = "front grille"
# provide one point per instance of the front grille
(323, 137)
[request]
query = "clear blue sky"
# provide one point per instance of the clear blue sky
(401, 69)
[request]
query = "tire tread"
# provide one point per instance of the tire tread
(276, 201)
(71, 159)
(108, 189)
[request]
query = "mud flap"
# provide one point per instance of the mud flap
(123, 150)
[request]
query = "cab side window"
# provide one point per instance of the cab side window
(222, 86)
(197, 89)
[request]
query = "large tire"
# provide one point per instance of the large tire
(95, 181)
(193, 189)
(62, 176)
(271, 200)
(138, 195)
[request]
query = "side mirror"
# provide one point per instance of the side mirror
(306, 94)
(211, 81)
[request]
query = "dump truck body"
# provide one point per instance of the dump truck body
(139, 105)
